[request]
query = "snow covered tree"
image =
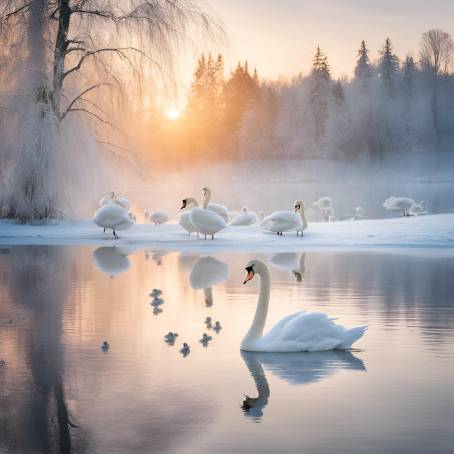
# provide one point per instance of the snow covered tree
(66, 67)
(388, 67)
(363, 68)
(320, 91)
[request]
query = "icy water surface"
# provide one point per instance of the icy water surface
(60, 392)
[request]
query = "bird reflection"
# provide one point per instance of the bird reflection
(295, 369)
(290, 261)
(206, 273)
(112, 260)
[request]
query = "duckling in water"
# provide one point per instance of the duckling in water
(170, 337)
(208, 322)
(156, 302)
(155, 293)
(217, 327)
(105, 346)
(205, 339)
(185, 350)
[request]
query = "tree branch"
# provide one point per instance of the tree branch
(18, 10)
(118, 50)
(76, 98)
(102, 120)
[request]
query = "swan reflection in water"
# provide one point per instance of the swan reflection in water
(112, 260)
(206, 273)
(290, 261)
(293, 368)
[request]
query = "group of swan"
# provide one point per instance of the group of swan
(300, 332)
(208, 220)
(405, 205)
(113, 213)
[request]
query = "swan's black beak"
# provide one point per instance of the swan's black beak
(184, 204)
(250, 274)
(297, 207)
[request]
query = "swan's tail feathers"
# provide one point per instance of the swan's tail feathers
(351, 336)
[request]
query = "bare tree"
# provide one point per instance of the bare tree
(437, 51)
(436, 55)
(67, 83)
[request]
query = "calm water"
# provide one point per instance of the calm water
(59, 392)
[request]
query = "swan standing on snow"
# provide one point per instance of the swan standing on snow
(159, 217)
(113, 216)
(286, 220)
(418, 209)
(244, 218)
(395, 204)
(325, 206)
(185, 218)
(216, 207)
(207, 221)
(297, 332)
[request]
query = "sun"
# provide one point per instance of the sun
(173, 113)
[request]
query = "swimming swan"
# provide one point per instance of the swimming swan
(286, 220)
(206, 221)
(298, 332)
(244, 218)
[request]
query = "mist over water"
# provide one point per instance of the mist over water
(276, 185)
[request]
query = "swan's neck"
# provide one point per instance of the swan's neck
(206, 199)
(303, 219)
(256, 329)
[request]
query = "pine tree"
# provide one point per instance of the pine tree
(388, 67)
(363, 69)
(320, 88)
(339, 94)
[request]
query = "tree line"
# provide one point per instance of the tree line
(389, 105)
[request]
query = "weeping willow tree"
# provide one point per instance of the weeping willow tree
(67, 70)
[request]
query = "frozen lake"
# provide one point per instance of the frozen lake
(59, 392)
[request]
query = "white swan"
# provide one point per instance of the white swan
(185, 218)
(325, 206)
(159, 217)
(244, 218)
(216, 207)
(298, 332)
(207, 221)
(111, 195)
(418, 209)
(113, 216)
(286, 220)
(402, 204)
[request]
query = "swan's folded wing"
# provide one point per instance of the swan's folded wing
(210, 219)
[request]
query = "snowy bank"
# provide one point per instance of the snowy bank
(422, 231)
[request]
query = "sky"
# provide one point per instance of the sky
(279, 36)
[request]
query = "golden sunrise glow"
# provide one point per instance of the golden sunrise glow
(173, 113)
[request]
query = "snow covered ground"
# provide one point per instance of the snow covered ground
(432, 231)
